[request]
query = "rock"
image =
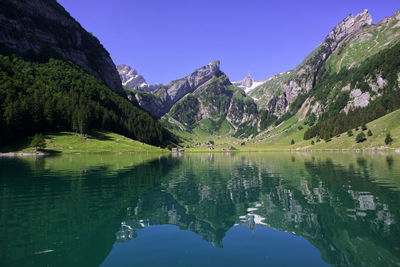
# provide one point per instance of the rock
(358, 99)
(303, 79)
(346, 88)
(247, 82)
(161, 101)
(132, 80)
(43, 29)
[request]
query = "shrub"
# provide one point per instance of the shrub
(388, 139)
(369, 133)
(364, 127)
(300, 127)
(312, 142)
(360, 137)
(292, 142)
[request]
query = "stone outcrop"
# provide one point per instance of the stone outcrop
(41, 29)
(131, 79)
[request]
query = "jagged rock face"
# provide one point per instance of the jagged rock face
(303, 79)
(132, 80)
(279, 105)
(247, 82)
(218, 100)
(207, 93)
(347, 27)
(160, 101)
(43, 29)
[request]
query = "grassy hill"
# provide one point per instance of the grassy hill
(98, 141)
(293, 129)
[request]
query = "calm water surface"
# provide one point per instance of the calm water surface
(240, 209)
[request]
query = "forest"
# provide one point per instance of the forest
(333, 121)
(40, 97)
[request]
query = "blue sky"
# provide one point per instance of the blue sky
(168, 39)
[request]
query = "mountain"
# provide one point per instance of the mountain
(132, 80)
(55, 76)
(161, 101)
(205, 96)
(43, 29)
(357, 64)
(247, 84)
(301, 80)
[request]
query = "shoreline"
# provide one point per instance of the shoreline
(45, 154)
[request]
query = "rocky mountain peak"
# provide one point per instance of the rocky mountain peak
(164, 99)
(247, 82)
(126, 72)
(131, 79)
(387, 20)
(207, 71)
(349, 26)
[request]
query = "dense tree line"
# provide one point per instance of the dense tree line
(58, 95)
(333, 122)
(342, 122)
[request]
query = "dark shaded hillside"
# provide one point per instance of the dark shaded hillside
(58, 95)
(42, 29)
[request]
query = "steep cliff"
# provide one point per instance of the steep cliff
(340, 75)
(160, 101)
(55, 76)
(278, 92)
(40, 29)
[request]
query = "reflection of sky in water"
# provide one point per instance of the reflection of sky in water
(241, 247)
(205, 209)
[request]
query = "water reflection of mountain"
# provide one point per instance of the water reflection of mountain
(336, 204)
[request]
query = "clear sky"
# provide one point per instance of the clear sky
(168, 39)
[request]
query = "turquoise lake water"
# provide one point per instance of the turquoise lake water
(221, 209)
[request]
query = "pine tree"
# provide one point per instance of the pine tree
(350, 132)
(388, 139)
(38, 142)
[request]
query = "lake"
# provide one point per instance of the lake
(221, 209)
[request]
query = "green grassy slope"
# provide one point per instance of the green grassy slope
(280, 137)
(96, 142)
(368, 42)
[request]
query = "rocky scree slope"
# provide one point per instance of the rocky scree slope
(41, 29)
